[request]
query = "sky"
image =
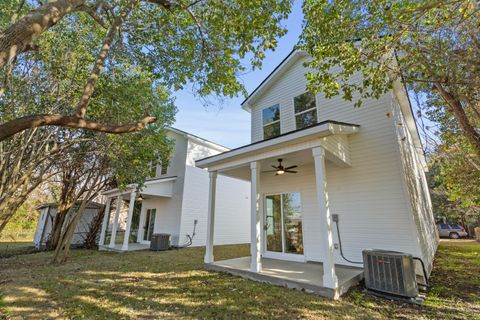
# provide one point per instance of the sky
(226, 122)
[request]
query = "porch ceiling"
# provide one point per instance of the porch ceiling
(294, 148)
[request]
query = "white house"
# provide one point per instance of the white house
(362, 166)
(175, 202)
(45, 222)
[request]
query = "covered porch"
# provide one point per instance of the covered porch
(123, 228)
(291, 222)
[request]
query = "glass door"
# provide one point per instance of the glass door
(149, 224)
(283, 223)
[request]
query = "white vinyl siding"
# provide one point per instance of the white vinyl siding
(369, 196)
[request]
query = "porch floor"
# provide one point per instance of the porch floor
(131, 247)
(296, 275)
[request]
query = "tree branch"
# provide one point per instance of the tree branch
(12, 127)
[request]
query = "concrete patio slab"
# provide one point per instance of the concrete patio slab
(295, 275)
(131, 247)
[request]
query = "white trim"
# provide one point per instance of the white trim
(314, 108)
(272, 122)
(209, 258)
(282, 255)
(246, 105)
(116, 191)
(318, 131)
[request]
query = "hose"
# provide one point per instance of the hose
(340, 245)
(190, 238)
(424, 271)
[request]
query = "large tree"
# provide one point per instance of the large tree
(178, 42)
(431, 45)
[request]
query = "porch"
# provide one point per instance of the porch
(290, 211)
(294, 275)
(122, 227)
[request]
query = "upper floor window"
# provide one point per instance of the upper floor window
(271, 121)
(164, 163)
(305, 110)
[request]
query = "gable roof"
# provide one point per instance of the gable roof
(199, 139)
(278, 71)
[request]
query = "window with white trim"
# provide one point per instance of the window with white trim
(271, 121)
(305, 110)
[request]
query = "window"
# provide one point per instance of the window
(165, 164)
(444, 226)
(305, 110)
(271, 122)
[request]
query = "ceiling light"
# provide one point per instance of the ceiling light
(280, 171)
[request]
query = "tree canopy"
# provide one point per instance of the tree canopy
(173, 43)
(433, 46)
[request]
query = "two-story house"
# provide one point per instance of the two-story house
(175, 202)
(327, 181)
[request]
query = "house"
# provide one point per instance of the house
(327, 181)
(47, 213)
(175, 202)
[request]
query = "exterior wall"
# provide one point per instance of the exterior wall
(45, 222)
(175, 215)
(417, 190)
(291, 84)
(232, 210)
(369, 196)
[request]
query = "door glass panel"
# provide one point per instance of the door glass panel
(146, 225)
(273, 223)
(292, 217)
(151, 223)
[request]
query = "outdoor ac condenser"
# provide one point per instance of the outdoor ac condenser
(390, 272)
(160, 242)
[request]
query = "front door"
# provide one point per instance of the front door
(148, 224)
(283, 225)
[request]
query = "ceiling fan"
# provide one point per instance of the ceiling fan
(280, 169)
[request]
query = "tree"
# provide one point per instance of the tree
(435, 46)
(178, 42)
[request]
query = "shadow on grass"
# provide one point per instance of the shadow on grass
(170, 284)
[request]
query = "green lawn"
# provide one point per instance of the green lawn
(173, 284)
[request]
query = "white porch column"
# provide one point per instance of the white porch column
(101, 242)
(255, 218)
(131, 206)
(211, 218)
(330, 279)
(115, 222)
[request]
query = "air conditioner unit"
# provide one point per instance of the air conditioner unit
(160, 242)
(390, 272)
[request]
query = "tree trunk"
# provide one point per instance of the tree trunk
(94, 228)
(456, 108)
(19, 36)
(57, 228)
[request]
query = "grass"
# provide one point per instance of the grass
(173, 285)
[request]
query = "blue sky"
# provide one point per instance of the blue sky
(227, 123)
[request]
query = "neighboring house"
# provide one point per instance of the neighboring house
(175, 202)
(45, 221)
(364, 166)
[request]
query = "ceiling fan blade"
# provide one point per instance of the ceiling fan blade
(291, 171)
(291, 167)
(274, 167)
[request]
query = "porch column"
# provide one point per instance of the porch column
(115, 222)
(131, 205)
(101, 242)
(211, 218)
(330, 279)
(255, 221)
